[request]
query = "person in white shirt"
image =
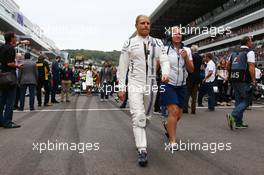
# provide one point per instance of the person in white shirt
(89, 81)
(208, 81)
(258, 75)
(175, 92)
(242, 67)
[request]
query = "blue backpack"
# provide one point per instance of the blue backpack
(239, 71)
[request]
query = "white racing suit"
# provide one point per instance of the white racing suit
(140, 55)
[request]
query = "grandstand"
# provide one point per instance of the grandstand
(241, 17)
(12, 19)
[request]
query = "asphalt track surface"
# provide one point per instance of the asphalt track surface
(111, 150)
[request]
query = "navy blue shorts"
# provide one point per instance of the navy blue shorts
(173, 95)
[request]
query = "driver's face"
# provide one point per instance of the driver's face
(143, 26)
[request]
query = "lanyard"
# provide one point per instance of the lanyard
(146, 51)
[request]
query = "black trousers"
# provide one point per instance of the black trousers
(54, 90)
(192, 89)
(17, 97)
(222, 87)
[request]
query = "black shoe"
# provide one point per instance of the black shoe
(20, 109)
(54, 101)
(157, 110)
(47, 104)
(123, 106)
(241, 126)
(193, 112)
(32, 109)
(68, 101)
(200, 105)
(142, 158)
(185, 111)
(11, 125)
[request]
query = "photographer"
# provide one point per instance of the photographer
(242, 66)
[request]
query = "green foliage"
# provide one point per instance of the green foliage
(95, 55)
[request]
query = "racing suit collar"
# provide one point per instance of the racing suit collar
(145, 40)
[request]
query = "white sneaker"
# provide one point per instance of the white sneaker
(174, 147)
(223, 104)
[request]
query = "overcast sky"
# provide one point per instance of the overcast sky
(87, 24)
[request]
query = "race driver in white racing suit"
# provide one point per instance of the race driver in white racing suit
(141, 54)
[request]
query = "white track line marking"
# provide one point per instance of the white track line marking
(230, 107)
(115, 109)
(72, 110)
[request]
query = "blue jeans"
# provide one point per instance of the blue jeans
(54, 90)
(23, 90)
(7, 100)
(243, 93)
